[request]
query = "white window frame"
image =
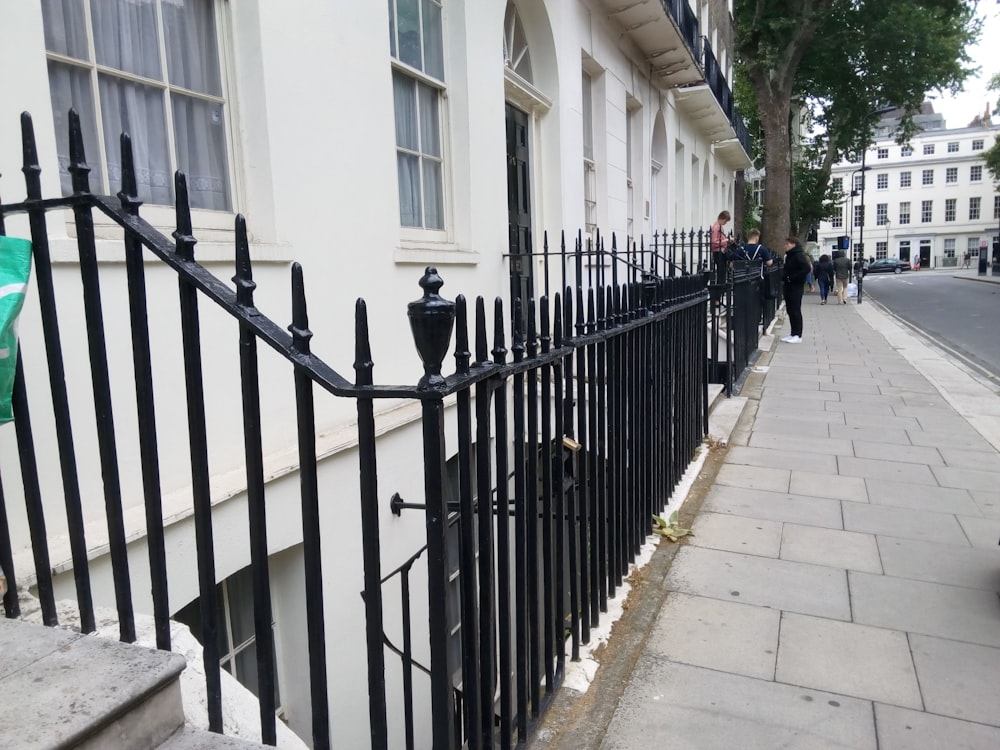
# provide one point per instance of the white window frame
(162, 215)
(951, 175)
(926, 212)
(906, 151)
(882, 181)
(422, 237)
(975, 208)
(977, 145)
(950, 209)
(928, 149)
(904, 212)
(882, 153)
(927, 177)
(976, 173)
(837, 220)
(905, 179)
(952, 147)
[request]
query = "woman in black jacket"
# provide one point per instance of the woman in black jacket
(796, 271)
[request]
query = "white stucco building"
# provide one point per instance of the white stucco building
(931, 200)
(366, 141)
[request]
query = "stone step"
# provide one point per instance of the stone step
(198, 739)
(62, 689)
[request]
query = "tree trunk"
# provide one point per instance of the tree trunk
(776, 220)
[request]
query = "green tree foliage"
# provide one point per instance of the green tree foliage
(839, 60)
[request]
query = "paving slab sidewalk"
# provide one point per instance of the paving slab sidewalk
(841, 587)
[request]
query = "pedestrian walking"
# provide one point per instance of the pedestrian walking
(824, 277)
(842, 275)
(965, 260)
(796, 270)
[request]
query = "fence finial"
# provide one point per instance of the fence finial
(431, 321)
(245, 285)
(129, 194)
(184, 234)
(78, 166)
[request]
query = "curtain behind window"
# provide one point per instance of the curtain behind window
(126, 38)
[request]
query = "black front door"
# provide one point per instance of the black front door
(518, 206)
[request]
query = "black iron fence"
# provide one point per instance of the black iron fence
(743, 307)
(574, 424)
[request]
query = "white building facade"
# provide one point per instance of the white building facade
(366, 141)
(930, 202)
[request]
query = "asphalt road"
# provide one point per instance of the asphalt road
(961, 316)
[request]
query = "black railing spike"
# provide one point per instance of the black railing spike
(243, 279)
(463, 356)
(183, 235)
(568, 314)
(517, 335)
(614, 264)
(545, 256)
(562, 253)
(129, 194)
(532, 334)
(300, 317)
(30, 167)
(499, 341)
(432, 319)
(557, 322)
(482, 344)
(78, 166)
(363, 364)
(546, 333)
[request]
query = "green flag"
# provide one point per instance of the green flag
(15, 267)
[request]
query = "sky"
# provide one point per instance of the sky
(960, 109)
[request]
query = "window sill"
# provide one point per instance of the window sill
(434, 253)
(222, 250)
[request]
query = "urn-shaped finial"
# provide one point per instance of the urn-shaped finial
(432, 319)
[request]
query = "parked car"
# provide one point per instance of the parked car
(889, 265)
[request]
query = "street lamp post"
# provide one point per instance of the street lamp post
(861, 226)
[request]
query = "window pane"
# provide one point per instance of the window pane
(239, 588)
(200, 134)
(433, 48)
(125, 36)
(433, 195)
(404, 94)
(408, 23)
(392, 29)
(192, 52)
(430, 129)
(220, 621)
(137, 110)
(65, 30)
(409, 190)
(69, 87)
(246, 667)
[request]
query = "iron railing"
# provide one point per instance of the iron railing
(574, 423)
(742, 308)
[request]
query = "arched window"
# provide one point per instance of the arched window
(515, 45)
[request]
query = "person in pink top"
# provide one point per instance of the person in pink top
(717, 243)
